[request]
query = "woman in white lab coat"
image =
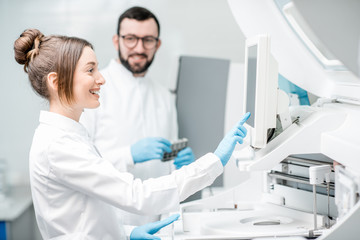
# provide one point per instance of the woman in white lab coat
(73, 188)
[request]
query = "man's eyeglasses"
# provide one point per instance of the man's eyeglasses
(131, 41)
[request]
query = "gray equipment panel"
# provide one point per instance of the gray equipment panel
(201, 98)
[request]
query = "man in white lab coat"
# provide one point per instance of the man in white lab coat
(137, 117)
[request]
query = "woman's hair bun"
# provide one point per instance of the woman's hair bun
(27, 46)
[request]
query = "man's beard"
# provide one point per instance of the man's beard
(127, 65)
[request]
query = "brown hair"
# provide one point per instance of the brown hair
(139, 14)
(41, 55)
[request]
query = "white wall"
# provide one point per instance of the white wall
(188, 27)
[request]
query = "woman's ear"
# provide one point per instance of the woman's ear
(52, 81)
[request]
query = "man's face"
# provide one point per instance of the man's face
(136, 59)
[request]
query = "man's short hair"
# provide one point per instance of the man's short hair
(137, 13)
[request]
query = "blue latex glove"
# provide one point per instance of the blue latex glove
(227, 145)
(184, 157)
(149, 148)
(146, 231)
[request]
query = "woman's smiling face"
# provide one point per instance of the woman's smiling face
(87, 81)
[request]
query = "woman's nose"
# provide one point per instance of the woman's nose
(100, 79)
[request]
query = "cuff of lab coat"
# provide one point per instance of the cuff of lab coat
(214, 161)
(198, 175)
(128, 157)
(128, 229)
(124, 154)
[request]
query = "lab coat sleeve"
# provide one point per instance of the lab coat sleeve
(76, 165)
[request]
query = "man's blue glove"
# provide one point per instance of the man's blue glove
(146, 231)
(149, 148)
(184, 157)
(227, 145)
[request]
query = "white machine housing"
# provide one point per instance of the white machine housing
(326, 132)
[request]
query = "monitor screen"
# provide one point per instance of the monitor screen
(251, 84)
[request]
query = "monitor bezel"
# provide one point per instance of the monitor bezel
(265, 92)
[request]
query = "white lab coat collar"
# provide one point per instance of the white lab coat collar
(62, 122)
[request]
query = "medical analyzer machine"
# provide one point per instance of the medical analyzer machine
(308, 157)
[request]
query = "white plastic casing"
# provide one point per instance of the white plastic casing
(265, 109)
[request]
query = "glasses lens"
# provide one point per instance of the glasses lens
(130, 41)
(149, 42)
